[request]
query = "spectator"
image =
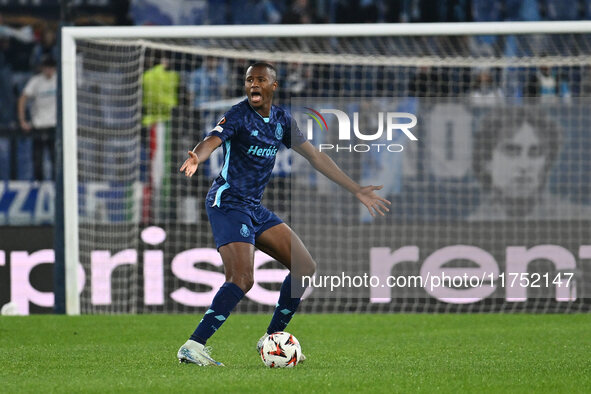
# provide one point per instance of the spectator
(358, 11)
(217, 12)
(251, 12)
(23, 34)
(160, 91)
(522, 10)
(429, 82)
(393, 11)
(347, 11)
(425, 10)
(41, 92)
(587, 9)
(16, 47)
(236, 80)
(7, 113)
(459, 11)
(177, 12)
(432, 11)
(485, 11)
(160, 97)
(546, 84)
(208, 82)
(295, 80)
(299, 13)
(560, 10)
(585, 82)
(7, 97)
(298, 79)
(149, 13)
(369, 11)
(410, 11)
(485, 92)
(45, 47)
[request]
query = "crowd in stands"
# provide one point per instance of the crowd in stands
(28, 55)
(28, 86)
(153, 12)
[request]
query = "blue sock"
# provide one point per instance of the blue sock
(224, 301)
(290, 296)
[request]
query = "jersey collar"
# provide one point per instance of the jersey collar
(266, 120)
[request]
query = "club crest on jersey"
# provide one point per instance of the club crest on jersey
(244, 231)
(279, 131)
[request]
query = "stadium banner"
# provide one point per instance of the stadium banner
(28, 203)
(26, 268)
(535, 265)
(24, 203)
(490, 211)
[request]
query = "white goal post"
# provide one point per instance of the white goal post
(70, 104)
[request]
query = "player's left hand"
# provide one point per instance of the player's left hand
(373, 202)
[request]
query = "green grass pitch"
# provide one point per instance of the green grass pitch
(346, 353)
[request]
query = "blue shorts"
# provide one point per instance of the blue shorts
(232, 224)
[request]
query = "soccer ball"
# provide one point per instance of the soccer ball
(281, 350)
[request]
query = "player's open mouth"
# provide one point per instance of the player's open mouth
(256, 97)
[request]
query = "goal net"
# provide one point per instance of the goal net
(489, 189)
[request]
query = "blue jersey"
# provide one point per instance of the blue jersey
(250, 144)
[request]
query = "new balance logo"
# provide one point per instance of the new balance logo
(258, 151)
(254, 133)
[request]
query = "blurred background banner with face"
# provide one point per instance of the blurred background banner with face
(526, 158)
(518, 163)
(493, 161)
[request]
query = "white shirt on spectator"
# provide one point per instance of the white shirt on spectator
(42, 92)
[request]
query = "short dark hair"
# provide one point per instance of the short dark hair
(268, 66)
(48, 61)
(503, 122)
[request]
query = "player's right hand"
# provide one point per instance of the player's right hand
(25, 126)
(190, 165)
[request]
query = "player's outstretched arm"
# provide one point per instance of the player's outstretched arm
(325, 165)
(200, 154)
